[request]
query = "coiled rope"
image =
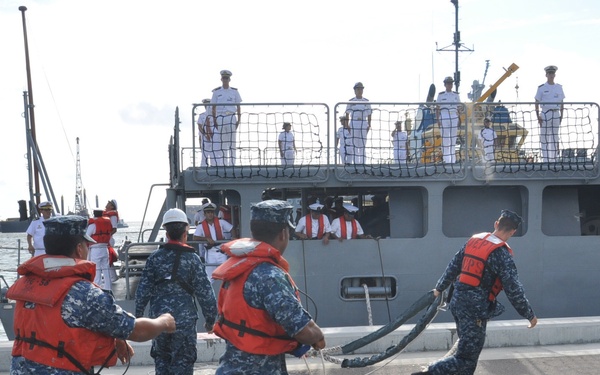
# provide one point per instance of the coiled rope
(427, 301)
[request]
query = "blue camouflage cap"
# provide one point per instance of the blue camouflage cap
(68, 225)
(512, 216)
(273, 210)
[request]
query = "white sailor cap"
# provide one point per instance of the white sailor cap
(45, 204)
(487, 118)
(226, 73)
(551, 69)
(350, 208)
(448, 79)
(359, 85)
(204, 101)
(209, 207)
(316, 207)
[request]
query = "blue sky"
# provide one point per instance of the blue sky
(112, 72)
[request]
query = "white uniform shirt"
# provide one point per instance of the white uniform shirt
(301, 226)
(202, 122)
(550, 93)
(336, 228)
(114, 221)
(225, 227)
(399, 140)
(344, 135)
(37, 230)
(230, 96)
(448, 110)
(487, 136)
(287, 138)
(360, 110)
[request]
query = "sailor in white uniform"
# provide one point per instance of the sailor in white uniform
(287, 145)
(448, 118)
(343, 139)
(359, 113)
(228, 118)
(487, 138)
(208, 137)
(400, 142)
(36, 230)
(549, 97)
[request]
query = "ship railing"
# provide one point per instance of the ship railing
(519, 150)
(524, 148)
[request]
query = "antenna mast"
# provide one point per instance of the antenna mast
(457, 46)
(80, 208)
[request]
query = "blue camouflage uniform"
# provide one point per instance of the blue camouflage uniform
(267, 288)
(85, 306)
(175, 353)
(472, 309)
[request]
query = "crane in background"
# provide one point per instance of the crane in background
(80, 196)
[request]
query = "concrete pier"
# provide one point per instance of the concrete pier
(505, 338)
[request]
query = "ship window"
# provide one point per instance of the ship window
(571, 211)
(474, 209)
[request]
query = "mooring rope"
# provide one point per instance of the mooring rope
(368, 302)
(428, 301)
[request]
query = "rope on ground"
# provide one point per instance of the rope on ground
(421, 325)
(426, 301)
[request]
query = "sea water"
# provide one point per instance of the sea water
(13, 251)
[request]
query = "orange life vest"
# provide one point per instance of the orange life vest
(218, 230)
(477, 252)
(103, 230)
(343, 228)
(111, 213)
(247, 328)
(42, 335)
(226, 210)
(309, 226)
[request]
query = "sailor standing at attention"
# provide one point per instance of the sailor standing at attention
(36, 230)
(343, 140)
(550, 97)
(227, 121)
(99, 229)
(287, 145)
(448, 118)
(359, 113)
(208, 136)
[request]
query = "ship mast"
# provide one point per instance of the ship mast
(457, 46)
(30, 107)
(80, 208)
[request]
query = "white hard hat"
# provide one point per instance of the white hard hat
(174, 215)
